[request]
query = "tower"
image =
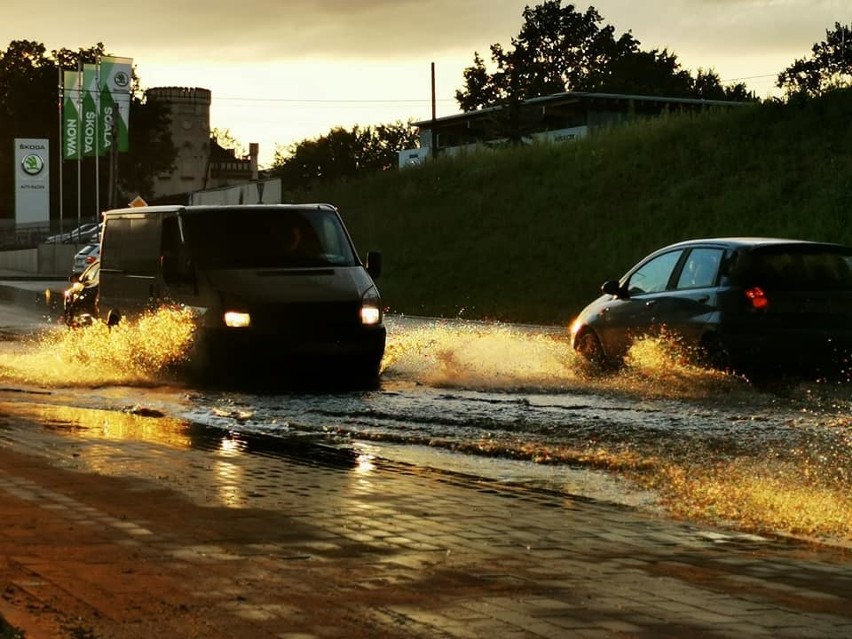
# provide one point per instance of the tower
(189, 109)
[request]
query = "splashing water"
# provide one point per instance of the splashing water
(511, 358)
(134, 352)
(663, 367)
(480, 356)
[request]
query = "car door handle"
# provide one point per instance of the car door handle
(650, 303)
(702, 299)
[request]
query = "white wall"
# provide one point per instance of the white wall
(47, 259)
(248, 193)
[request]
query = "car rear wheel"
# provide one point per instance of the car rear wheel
(712, 353)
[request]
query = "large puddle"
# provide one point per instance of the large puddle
(507, 402)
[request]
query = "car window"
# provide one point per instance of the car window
(654, 275)
(132, 244)
(800, 268)
(700, 268)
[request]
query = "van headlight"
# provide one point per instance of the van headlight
(371, 308)
(235, 319)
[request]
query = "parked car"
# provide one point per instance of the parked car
(87, 233)
(85, 256)
(745, 304)
(79, 304)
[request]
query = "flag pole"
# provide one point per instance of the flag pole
(98, 140)
(79, 128)
(61, 91)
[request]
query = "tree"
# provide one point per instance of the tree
(226, 140)
(342, 154)
(152, 151)
(560, 49)
(829, 66)
(642, 72)
(553, 52)
(481, 91)
(29, 103)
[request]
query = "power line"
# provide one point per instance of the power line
(389, 102)
(325, 100)
(750, 77)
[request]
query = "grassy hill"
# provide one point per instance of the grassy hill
(529, 234)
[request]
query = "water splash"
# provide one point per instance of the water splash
(758, 494)
(482, 356)
(663, 367)
(136, 352)
(511, 358)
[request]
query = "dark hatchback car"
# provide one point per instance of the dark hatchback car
(747, 304)
(79, 304)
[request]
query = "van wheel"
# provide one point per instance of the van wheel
(113, 319)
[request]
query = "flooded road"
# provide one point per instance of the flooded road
(507, 403)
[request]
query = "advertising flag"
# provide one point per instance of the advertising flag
(71, 112)
(115, 103)
(89, 131)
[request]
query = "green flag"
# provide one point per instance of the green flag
(115, 78)
(89, 132)
(71, 107)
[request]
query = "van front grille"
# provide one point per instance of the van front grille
(308, 316)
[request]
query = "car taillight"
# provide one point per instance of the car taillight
(757, 297)
(90, 259)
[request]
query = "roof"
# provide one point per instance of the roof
(745, 242)
(200, 208)
(583, 96)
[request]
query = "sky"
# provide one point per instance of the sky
(282, 71)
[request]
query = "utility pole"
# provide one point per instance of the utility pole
(113, 165)
(434, 138)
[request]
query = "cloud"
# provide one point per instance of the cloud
(273, 29)
(737, 38)
(252, 30)
(726, 25)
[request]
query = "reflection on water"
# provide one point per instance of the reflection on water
(89, 423)
(776, 455)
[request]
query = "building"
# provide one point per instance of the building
(201, 163)
(559, 117)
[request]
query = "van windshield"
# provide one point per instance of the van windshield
(273, 238)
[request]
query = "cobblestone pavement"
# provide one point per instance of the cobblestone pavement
(223, 538)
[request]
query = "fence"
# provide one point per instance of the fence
(22, 236)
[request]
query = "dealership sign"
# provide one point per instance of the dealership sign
(32, 181)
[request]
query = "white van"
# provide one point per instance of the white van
(275, 287)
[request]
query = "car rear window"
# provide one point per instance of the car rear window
(799, 268)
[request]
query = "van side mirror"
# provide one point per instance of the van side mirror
(374, 264)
